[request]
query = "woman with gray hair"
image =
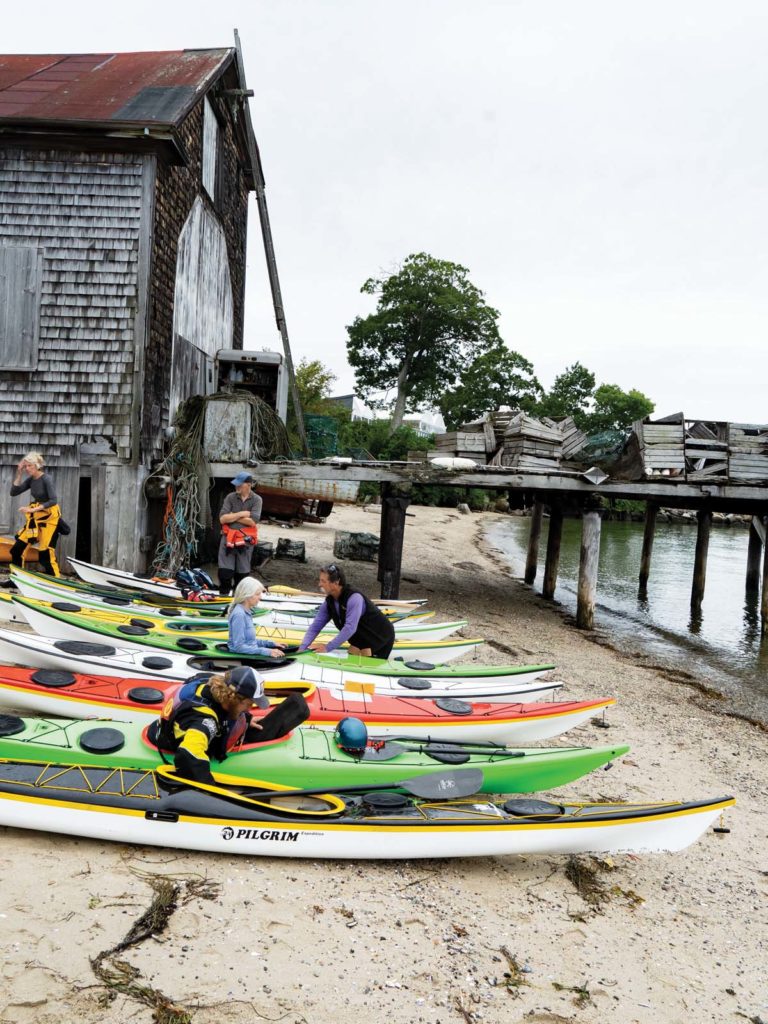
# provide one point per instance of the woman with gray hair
(242, 635)
(42, 514)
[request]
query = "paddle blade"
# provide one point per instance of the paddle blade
(445, 785)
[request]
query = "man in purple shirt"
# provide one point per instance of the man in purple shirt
(358, 620)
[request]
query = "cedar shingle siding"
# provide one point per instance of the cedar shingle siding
(89, 240)
(82, 210)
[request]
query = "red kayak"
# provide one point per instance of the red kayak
(67, 695)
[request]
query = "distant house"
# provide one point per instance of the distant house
(124, 184)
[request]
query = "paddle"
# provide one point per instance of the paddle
(438, 785)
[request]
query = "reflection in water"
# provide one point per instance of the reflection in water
(721, 642)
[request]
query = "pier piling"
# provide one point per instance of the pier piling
(704, 517)
(754, 555)
(591, 525)
(649, 533)
(552, 562)
(532, 560)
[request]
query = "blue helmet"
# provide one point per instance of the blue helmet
(351, 736)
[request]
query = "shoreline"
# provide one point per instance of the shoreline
(662, 938)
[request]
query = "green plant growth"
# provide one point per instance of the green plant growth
(431, 323)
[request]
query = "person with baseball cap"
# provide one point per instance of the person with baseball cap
(208, 718)
(240, 513)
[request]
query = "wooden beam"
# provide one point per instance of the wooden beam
(754, 555)
(648, 534)
(394, 502)
(552, 562)
(669, 494)
(589, 559)
(532, 559)
(704, 517)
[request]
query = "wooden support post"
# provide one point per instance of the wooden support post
(395, 499)
(704, 517)
(531, 562)
(591, 524)
(754, 555)
(764, 599)
(552, 562)
(648, 534)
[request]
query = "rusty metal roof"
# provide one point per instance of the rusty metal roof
(156, 88)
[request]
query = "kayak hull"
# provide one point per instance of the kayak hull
(306, 757)
(32, 797)
(350, 674)
(128, 700)
(87, 624)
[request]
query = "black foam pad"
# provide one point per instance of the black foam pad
(414, 683)
(447, 753)
(456, 707)
(144, 623)
(10, 725)
(65, 606)
(102, 741)
(527, 808)
(116, 600)
(156, 662)
(386, 801)
(146, 695)
(133, 630)
(420, 666)
(192, 645)
(83, 647)
(52, 677)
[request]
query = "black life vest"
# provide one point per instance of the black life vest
(374, 629)
(195, 695)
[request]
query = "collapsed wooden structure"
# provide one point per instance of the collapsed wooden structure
(571, 492)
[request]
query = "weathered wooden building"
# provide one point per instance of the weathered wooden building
(124, 185)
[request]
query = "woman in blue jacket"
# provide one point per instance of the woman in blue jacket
(242, 635)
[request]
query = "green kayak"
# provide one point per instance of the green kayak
(306, 757)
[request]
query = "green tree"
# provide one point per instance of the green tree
(497, 377)
(570, 395)
(313, 382)
(430, 324)
(615, 409)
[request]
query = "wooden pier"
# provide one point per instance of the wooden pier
(558, 492)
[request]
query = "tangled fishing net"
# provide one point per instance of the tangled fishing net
(188, 508)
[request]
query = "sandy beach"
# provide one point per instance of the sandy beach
(665, 938)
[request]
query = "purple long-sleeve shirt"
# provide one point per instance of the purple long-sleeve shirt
(355, 608)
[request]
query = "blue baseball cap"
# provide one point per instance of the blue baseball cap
(242, 478)
(246, 682)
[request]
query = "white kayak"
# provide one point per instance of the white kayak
(103, 576)
(89, 625)
(35, 651)
(241, 817)
(407, 629)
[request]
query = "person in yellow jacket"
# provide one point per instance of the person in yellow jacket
(41, 515)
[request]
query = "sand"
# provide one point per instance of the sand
(679, 937)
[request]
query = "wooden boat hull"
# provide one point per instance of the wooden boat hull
(139, 808)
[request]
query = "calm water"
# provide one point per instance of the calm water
(722, 649)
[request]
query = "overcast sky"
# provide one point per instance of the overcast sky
(600, 167)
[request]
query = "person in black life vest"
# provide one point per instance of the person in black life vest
(359, 622)
(208, 718)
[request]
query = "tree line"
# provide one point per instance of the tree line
(434, 341)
